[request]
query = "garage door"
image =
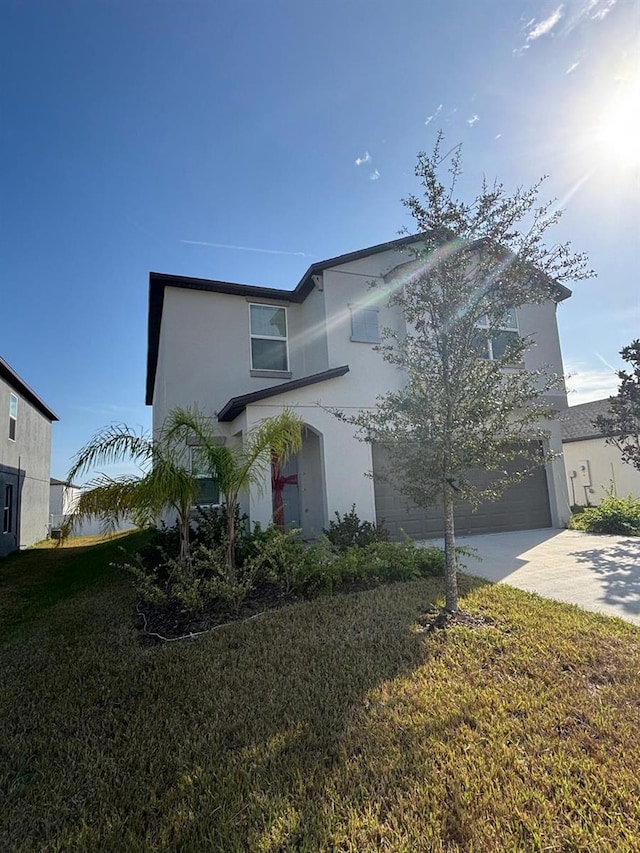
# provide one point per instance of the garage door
(524, 506)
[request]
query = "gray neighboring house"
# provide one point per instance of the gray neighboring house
(243, 352)
(593, 467)
(25, 462)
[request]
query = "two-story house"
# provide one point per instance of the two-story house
(242, 353)
(25, 462)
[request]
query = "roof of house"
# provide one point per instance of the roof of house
(158, 282)
(576, 422)
(54, 482)
(237, 405)
(18, 384)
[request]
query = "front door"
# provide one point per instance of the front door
(285, 495)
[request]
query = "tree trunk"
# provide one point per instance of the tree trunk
(184, 536)
(451, 561)
(231, 542)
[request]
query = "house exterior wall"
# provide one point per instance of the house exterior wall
(342, 463)
(25, 464)
(204, 360)
(62, 500)
(605, 470)
(204, 355)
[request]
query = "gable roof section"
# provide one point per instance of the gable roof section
(237, 405)
(18, 384)
(158, 282)
(576, 422)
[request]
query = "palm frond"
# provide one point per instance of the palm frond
(281, 436)
(114, 443)
(109, 499)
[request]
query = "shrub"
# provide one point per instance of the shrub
(614, 515)
(389, 561)
(270, 557)
(348, 530)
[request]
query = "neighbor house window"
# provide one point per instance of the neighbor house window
(7, 511)
(208, 491)
(269, 338)
(364, 325)
(13, 416)
(504, 338)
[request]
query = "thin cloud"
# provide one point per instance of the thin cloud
(604, 8)
(474, 118)
(605, 362)
(587, 384)
(245, 248)
(361, 160)
(375, 175)
(591, 10)
(497, 136)
(105, 410)
(572, 68)
(434, 115)
(542, 28)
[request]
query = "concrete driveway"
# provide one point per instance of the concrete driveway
(600, 573)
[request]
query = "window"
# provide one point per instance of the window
(498, 345)
(208, 492)
(364, 325)
(7, 510)
(13, 416)
(269, 338)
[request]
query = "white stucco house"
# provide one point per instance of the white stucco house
(242, 353)
(594, 468)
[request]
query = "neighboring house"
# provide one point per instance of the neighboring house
(245, 352)
(25, 461)
(593, 467)
(63, 499)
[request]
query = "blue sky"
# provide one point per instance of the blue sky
(135, 135)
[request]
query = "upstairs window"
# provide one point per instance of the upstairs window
(364, 325)
(208, 491)
(7, 510)
(269, 349)
(502, 340)
(13, 416)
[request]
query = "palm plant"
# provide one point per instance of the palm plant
(236, 468)
(165, 482)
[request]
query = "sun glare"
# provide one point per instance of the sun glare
(618, 133)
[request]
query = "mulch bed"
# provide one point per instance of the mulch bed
(436, 618)
(160, 624)
(171, 623)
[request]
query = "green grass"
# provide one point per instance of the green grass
(333, 725)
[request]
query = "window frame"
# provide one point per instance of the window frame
(192, 468)
(486, 327)
(7, 509)
(259, 337)
(362, 309)
(13, 419)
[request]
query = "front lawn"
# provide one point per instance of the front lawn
(333, 725)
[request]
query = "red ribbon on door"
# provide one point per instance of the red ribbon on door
(278, 482)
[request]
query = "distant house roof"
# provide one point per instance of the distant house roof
(54, 482)
(158, 282)
(18, 384)
(576, 422)
(237, 405)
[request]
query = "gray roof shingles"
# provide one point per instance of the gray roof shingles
(576, 422)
